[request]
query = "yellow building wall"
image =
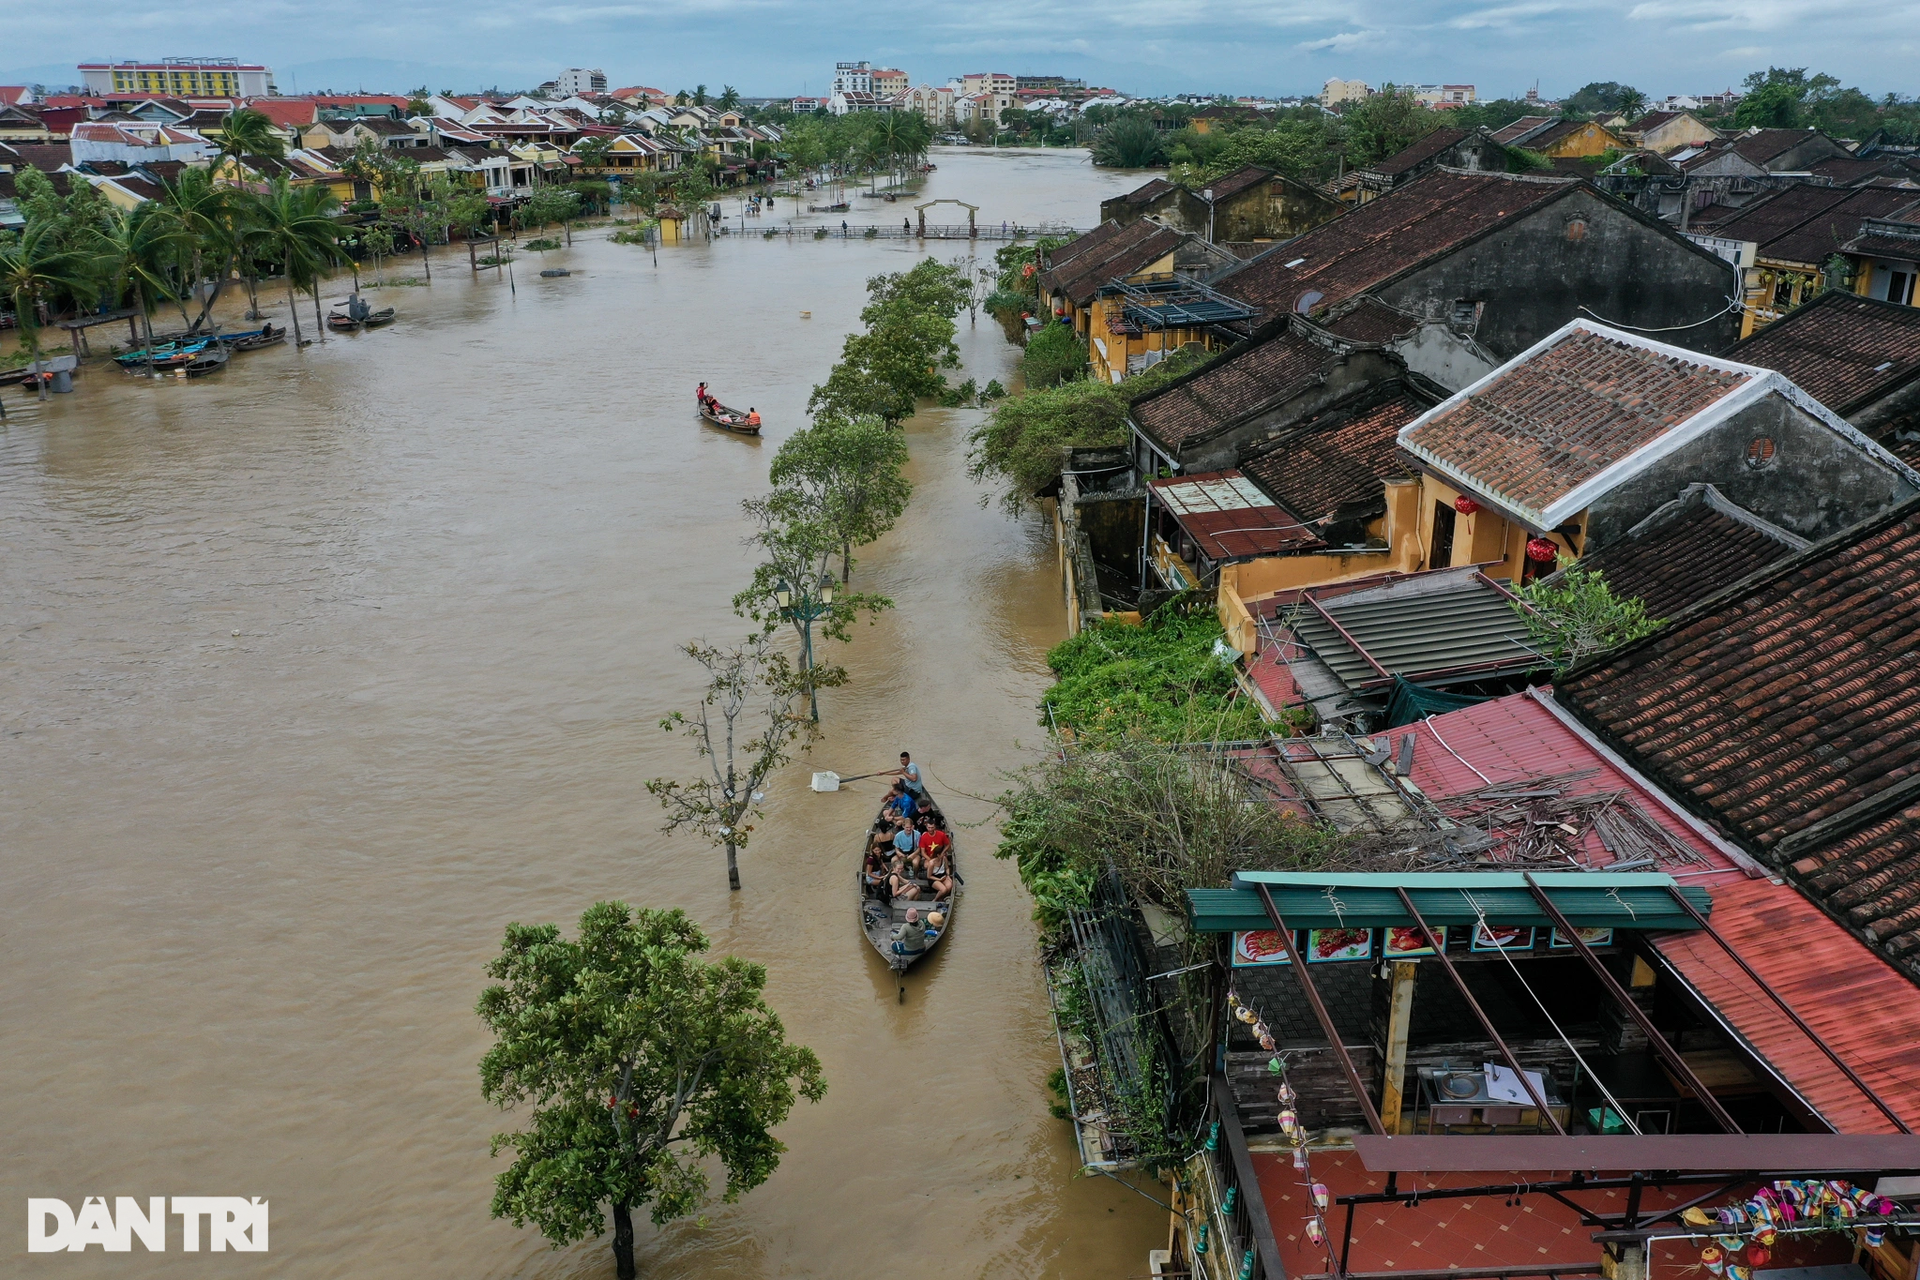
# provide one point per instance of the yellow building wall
(1584, 142)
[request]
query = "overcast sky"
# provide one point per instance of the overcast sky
(767, 47)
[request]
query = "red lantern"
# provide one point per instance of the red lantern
(1757, 1257)
(1465, 506)
(1543, 550)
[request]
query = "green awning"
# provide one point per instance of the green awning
(1588, 899)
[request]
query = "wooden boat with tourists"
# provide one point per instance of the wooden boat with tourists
(728, 419)
(881, 912)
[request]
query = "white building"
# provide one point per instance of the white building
(845, 101)
(933, 102)
(580, 80)
(852, 77)
(180, 78)
(135, 143)
(1443, 95)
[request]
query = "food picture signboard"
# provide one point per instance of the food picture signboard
(1592, 937)
(1404, 942)
(1502, 937)
(1256, 948)
(1325, 945)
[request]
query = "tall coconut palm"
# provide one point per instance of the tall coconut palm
(1632, 102)
(211, 215)
(33, 269)
(249, 133)
(302, 233)
(729, 98)
(134, 253)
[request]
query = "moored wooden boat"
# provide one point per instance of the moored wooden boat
(265, 337)
(212, 360)
(729, 419)
(165, 355)
(344, 321)
(880, 913)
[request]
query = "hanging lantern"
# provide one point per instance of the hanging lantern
(1247, 1015)
(1288, 1120)
(1213, 1137)
(1229, 1200)
(1757, 1257)
(1275, 1067)
(1465, 506)
(1765, 1236)
(1321, 1196)
(1260, 1031)
(1315, 1232)
(1737, 1272)
(1246, 1266)
(1876, 1234)
(1710, 1258)
(1542, 550)
(1200, 1239)
(1287, 1096)
(1300, 1158)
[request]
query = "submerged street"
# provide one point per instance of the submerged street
(317, 673)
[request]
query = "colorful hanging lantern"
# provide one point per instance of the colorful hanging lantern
(1300, 1158)
(1710, 1258)
(1246, 1266)
(1876, 1236)
(1542, 550)
(1315, 1232)
(1287, 1096)
(1465, 506)
(1737, 1272)
(1213, 1137)
(1229, 1200)
(1276, 1067)
(1765, 1236)
(1260, 1030)
(1288, 1120)
(1321, 1196)
(1200, 1238)
(1246, 1015)
(1757, 1257)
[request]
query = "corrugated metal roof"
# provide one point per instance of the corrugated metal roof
(1589, 900)
(1418, 627)
(1227, 515)
(1859, 1004)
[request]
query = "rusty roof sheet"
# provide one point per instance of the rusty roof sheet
(1844, 350)
(1425, 219)
(1858, 1004)
(1229, 518)
(1539, 430)
(1340, 457)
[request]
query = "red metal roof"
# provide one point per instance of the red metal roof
(1228, 516)
(1858, 1003)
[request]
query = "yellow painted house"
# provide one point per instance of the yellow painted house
(1558, 139)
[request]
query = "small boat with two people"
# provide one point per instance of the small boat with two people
(719, 415)
(908, 881)
(359, 315)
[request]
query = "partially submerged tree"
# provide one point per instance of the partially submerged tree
(742, 731)
(638, 1060)
(851, 474)
(797, 545)
(1573, 614)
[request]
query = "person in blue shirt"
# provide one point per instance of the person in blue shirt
(900, 804)
(909, 773)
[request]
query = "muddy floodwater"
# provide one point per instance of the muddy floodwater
(316, 673)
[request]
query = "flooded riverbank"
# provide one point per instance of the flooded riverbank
(319, 672)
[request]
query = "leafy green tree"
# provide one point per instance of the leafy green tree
(638, 1060)
(743, 730)
(1384, 124)
(885, 371)
(1573, 614)
(1601, 97)
(1770, 106)
(729, 98)
(1054, 354)
(852, 474)
(1130, 142)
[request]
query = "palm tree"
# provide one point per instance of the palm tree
(32, 269)
(1631, 101)
(304, 237)
(699, 95)
(249, 133)
(729, 98)
(212, 215)
(135, 252)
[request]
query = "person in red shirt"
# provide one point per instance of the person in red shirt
(701, 397)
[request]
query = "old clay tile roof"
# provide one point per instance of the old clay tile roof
(1871, 880)
(1338, 458)
(1688, 550)
(1823, 235)
(1767, 143)
(1371, 320)
(1833, 349)
(1059, 257)
(1419, 152)
(1147, 192)
(1509, 134)
(1791, 700)
(1239, 180)
(1135, 247)
(1429, 217)
(1268, 368)
(1554, 417)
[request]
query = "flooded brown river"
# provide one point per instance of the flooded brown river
(317, 673)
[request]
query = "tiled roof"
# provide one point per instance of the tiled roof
(1268, 368)
(1512, 133)
(1687, 550)
(1338, 458)
(1061, 256)
(1825, 230)
(1768, 143)
(1147, 192)
(1420, 152)
(1789, 710)
(1239, 180)
(1899, 248)
(1852, 999)
(1371, 320)
(1845, 171)
(1430, 216)
(1135, 248)
(47, 157)
(1553, 133)
(1551, 419)
(284, 112)
(1844, 350)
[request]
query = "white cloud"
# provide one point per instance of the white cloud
(1344, 42)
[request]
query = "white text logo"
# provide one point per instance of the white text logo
(232, 1222)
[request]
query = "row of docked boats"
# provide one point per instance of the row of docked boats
(193, 357)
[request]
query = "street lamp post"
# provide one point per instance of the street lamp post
(813, 602)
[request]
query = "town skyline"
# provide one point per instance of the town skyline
(785, 50)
